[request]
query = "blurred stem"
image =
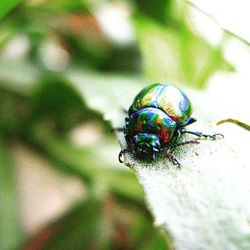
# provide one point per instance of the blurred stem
(10, 229)
(228, 32)
(237, 122)
(212, 63)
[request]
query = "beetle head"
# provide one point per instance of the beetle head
(146, 144)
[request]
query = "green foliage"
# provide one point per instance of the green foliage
(10, 228)
(177, 53)
(57, 101)
(6, 6)
(158, 10)
(13, 110)
(65, 5)
(71, 73)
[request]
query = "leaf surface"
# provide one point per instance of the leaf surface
(203, 205)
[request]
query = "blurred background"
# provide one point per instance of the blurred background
(67, 69)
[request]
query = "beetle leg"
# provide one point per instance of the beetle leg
(121, 154)
(153, 156)
(199, 134)
(186, 142)
(176, 137)
(172, 158)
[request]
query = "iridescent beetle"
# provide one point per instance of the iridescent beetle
(156, 120)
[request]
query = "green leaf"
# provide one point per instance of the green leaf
(157, 9)
(106, 93)
(10, 230)
(56, 101)
(155, 241)
(177, 54)
(64, 5)
(202, 205)
(6, 6)
(195, 204)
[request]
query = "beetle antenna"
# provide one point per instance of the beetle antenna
(172, 158)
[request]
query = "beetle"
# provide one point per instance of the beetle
(156, 120)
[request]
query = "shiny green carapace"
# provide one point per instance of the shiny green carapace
(156, 120)
(169, 99)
